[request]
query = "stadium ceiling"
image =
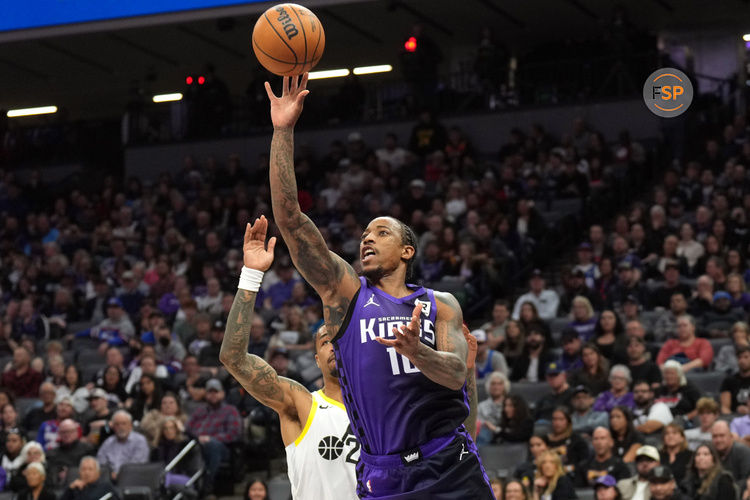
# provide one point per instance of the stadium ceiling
(90, 74)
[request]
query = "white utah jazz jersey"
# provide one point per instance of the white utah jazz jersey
(322, 459)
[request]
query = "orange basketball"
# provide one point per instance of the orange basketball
(288, 39)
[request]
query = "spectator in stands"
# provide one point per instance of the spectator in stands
(603, 462)
(146, 397)
(124, 447)
(678, 393)
(216, 426)
(737, 289)
(587, 265)
(702, 299)
(726, 359)
(28, 323)
(719, 319)
(9, 419)
(561, 439)
(30, 453)
(544, 300)
(626, 438)
(605, 488)
(735, 389)
(96, 424)
(577, 289)
(488, 360)
(209, 354)
(735, 456)
(36, 488)
(129, 294)
(692, 352)
(650, 416)
(584, 319)
(551, 480)
(631, 313)
(561, 392)
(497, 326)
(89, 485)
(169, 350)
(594, 373)
(665, 325)
(688, 248)
(706, 477)
(609, 336)
(674, 451)
(662, 485)
(708, 413)
(570, 359)
(530, 320)
(536, 357)
(147, 365)
(113, 385)
(640, 364)
(662, 295)
(73, 387)
(628, 283)
(169, 442)
(584, 418)
(636, 487)
(151, 423)
(515, 342)
(48, 434)
(12, 460)
(607, 279)
(70, 451)
(490, 410)
(21, 377)
(516, 424)
(526, 471)
(115, 329)
(619, 393)
(47, 411)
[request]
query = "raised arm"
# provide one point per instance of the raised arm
(287, 397)
(330, 276)
(446, 365)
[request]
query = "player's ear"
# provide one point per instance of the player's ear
(407, 252)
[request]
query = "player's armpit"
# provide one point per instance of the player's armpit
(285, 396)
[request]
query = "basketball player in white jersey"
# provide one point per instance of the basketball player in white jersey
(321, 450)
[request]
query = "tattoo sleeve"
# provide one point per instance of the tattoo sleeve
(471, 391)
(255, 375)
(446, 365)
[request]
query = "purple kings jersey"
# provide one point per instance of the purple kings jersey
(392, 406)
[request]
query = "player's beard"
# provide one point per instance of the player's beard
(334, 372)
(374, 275)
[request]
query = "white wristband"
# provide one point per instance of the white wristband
(250, 279)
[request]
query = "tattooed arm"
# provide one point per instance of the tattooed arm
(331, 277)
(471, 382)
(446, 365)
(287, 397)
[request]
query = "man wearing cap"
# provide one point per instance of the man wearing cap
(96, 426)
(129, 295)
(416, 198)
(603, 462)
(586, 265)
(562, 393)
(216, 426)
(628, 284)
(209, 354)
(694, 353)
(115, 329)
(606, 482)
(70, 451)
(631, 310)
(735, 389)
(662, 295)
(577, 288)
(649, 417)
(570, 359)
(545, 301)
(721, 316)
(487, 360)
(637, 487)
(665, 325)
(662, 486)
(48, 433)
(584, 418)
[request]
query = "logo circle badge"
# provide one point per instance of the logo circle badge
(668, 92)
(330, 447)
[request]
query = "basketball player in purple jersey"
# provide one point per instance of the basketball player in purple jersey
(400, 351)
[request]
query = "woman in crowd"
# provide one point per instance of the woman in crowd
(691, 352)
(595, 371)
(516, 424)
(73, 387)
(490, 410)
(36, 488)
(551, 480)
(526, 471)
(31, 452)
(676, 391)
(561, 439)
(497, 487)
(147, 396)
(256, 489)
(689, 249)
(706, 478)
(529, 317)
(114, 385)
(515, 338)
(627, 439)
(726, 360)
(584, 318)
(170, 440)
(515, 490)
(737, 289)
(9, 419)
(674, 450)
(619, 393)
(151, 423)
(609, 336)
(12, 459)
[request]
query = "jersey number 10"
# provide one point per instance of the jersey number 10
(395, 368)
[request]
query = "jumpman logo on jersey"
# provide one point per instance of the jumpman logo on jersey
(463, 452)
(371, 302)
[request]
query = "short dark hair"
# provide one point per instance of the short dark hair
(408, 237)
(502, 302)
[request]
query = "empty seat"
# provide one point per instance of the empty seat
(709, 383)
(23, 405)
(532, 392)
(501, 459)
(141, 480)
(88, 356)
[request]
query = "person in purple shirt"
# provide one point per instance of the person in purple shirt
(400, 349)
(619, 393)
(570, 359)
(280, 292)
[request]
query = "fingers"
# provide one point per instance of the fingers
(270, 93)
(271, 244)
(385, 342)
(465, 330)
(248, 233)
(287, 86)
(301, 97)
(303, 82)
(293, 84)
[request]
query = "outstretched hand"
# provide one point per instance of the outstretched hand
(406, 339)
(285, 110)
(471, 356)
(256, 255)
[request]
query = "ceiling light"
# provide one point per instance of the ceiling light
(367, 70)
(746, 37)
(41, 110)
(329, 73)
(168, 97)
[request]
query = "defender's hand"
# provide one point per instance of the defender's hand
(256, 255)
(285, 110)
(406, 339)
(471, 356)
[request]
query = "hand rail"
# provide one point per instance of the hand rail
(171, 465)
